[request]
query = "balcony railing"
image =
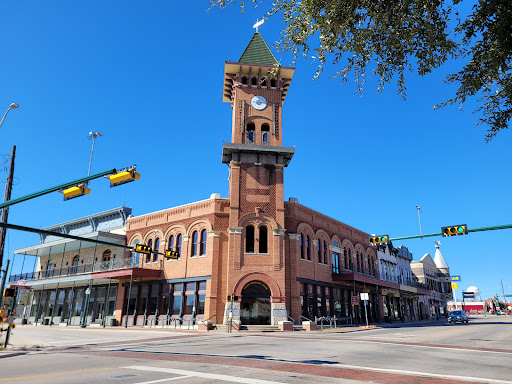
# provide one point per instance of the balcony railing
(75, 270)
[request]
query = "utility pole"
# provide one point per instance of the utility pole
(5, 211)
(504, 297)
(4, 277)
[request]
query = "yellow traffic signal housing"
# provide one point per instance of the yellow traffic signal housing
(75, 191)
(141, 248)
(383, 239)
(454, 230)
(172, 255)
(123, 177)
(9, 292)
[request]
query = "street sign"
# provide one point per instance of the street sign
(468, 295)
(455, 278)
(454, 286)
(355, 300)
(364, 296)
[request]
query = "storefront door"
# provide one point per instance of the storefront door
(255, 305)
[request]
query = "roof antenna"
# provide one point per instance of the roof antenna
(258, 23)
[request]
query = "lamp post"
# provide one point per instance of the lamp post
(83, 323)
(93, 136)
(12, 106)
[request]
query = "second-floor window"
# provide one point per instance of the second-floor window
(178, 244)
(249, 239)
(204, 234)
(150, 245)
(74, 264)
(263, 246)
(106, 255)
(194, 243)
(157, 247)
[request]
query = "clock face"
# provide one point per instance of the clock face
(258, 102)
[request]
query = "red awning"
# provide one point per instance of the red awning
(135, 272)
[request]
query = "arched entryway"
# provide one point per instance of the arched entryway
(255, 304)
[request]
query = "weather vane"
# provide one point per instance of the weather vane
(258, 23)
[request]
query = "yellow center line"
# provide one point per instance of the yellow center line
(56, 374)
(439, 333)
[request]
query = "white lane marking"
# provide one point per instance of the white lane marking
(170, 340)
(162, 380)
(401, 345)
(212, 376)
(415, 373)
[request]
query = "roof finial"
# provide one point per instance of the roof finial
(258, 23)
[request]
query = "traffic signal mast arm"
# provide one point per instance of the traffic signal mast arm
(492, 228)
(56, 188)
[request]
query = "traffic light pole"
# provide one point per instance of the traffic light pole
(56, 188)
(492, 228)
(5, 211)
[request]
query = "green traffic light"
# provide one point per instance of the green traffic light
(460, 229)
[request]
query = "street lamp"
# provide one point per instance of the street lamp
(12, 106)
(83, 323)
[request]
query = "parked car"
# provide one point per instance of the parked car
(454, 316)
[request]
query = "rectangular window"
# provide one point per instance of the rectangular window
(200, 309)
(78, 308)
(176, 306)
(131, 306)
(202, 285)
(191, 286)
(178, 287)
(189, 304)
(152, 305)
(111, 308)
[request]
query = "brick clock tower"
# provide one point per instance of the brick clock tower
(254, 267)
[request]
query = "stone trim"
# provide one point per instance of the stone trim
(279, 232)
(214, 233)
(336, 249)
(294, 236)
(235, 230)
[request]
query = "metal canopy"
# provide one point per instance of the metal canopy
(59, 246)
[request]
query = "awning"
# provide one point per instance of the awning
(135, 272)
(59, 246)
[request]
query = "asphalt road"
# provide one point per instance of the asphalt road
(436, 352)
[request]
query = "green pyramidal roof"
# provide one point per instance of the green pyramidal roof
(257, 52)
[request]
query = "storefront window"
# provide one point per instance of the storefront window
(189, 304)
(200, 309)
(176, 306)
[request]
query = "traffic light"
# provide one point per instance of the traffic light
(9, 292)
(142, 248)
(172, 255)
(123, 176)
(75, 191)
(379, 240)
(454, 230)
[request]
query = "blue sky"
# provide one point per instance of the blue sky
(148, 76)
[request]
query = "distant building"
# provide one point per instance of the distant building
(435, 275)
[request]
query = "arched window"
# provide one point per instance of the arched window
(202, 250)
(194, 244)
(178, 245)
(249, 239)
(326, 262)
(157, 247)
(106, 255)
(244, 80)
(171, 243)
(263, 248)
(74, 264)
(319, 251)
(308, 248)
(254, 81)
(135, 255)
(273, 83)
(264, 82)
(250, 132)
(335, 259)
(265, 133)
(150, 245)
(301, 243)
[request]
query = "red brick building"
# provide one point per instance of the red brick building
(280, 259)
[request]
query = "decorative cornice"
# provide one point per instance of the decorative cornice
(214, 233)
(335, 249)
(235, 230)
(294, 236)
(279, 232)
(186, 237)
